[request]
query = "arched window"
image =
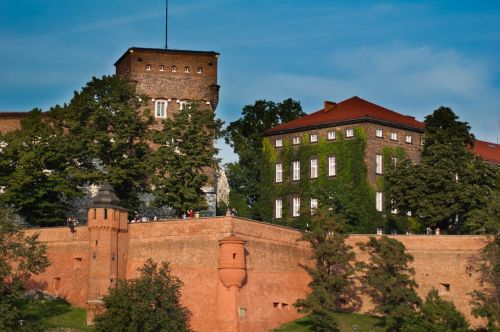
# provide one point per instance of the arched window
(186, 69)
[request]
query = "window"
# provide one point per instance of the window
(296, 140)
(199, 70)
(378, 201)
(162, 68)
(105, 213)
(278, 143)
(314, 205)
(349, 133)
(174, 69)
(279, 173)
(148, 67)
(394, 161)
(394, 210)
(331, 135)
(278, 208)
(444, 287)
(313, 138)
(296, 207)
(421, 141)
(332, 166)
(186, 69)
(314, 168)
(394, 136)
(379, 133)
(182, 104)
(161, 108)
(296, 170)
(242, 312)
(408, 139)
(378, 164)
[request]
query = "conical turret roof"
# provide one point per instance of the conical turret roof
(106, 198)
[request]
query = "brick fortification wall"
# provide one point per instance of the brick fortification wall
(274, 278)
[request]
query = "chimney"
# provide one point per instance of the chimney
(329, 105)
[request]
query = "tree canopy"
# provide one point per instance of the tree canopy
(20, 257)
(150, 302)
(245, 137)
(185, 152)
(332, 277)
(104, 135)
(388, 279)
(450, 185)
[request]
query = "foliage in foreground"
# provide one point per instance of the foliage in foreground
(147, 303)
(245, 137)
(332, 284)
(388, 279)
(20, 257)
(450, 188)
(347, 322)
(486, 303)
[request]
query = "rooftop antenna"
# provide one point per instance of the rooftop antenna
(166, 24)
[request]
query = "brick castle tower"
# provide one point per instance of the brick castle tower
(108, 242)
(172, 78)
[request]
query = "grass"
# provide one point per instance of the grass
(348, 322)
(52, 315)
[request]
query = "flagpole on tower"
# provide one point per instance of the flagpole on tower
(166, 24)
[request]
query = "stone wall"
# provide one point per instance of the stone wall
(275, 277)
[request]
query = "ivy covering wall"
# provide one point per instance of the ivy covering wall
(348, 193)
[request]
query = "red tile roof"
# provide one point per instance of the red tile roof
(349, 110)
(490, 152)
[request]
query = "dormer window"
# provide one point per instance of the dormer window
(186, 69)
(148, 67)
(161, 108)
(174, 69)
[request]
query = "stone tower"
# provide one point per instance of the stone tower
(232, 276)
(108, 228)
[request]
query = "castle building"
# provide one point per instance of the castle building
(387, 136)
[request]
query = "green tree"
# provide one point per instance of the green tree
(39, 171)
(332, 282)
(245, 137)
(389, 281)
(450, 184)
(184, 155)
(20, 257)
(437, 315)
(147, 303)
(486, 302)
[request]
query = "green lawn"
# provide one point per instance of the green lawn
(52, 315)
(348, 322)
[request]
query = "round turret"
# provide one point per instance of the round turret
(232, 265)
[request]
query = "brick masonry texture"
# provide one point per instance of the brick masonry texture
(274, 256)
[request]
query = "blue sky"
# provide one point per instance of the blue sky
(409, 56)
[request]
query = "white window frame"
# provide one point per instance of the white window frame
(394, 161)
(379, 133)
(421, 141)
(174, 69)
(278, 142)
(331, 135)
(278, 208)
(162, 68)
(379, 164)
(393, 209)
(295, 170)
(199, 70)
(349, 132)
(296, 207)
(332, 166)
(279, 172)
(313, 138)
(165, 104)
(408, 139)
(314, 205)
(296, 140)
(186, 69)
(148, 67)
(313, 163)
(379, 201)
(394, 136)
